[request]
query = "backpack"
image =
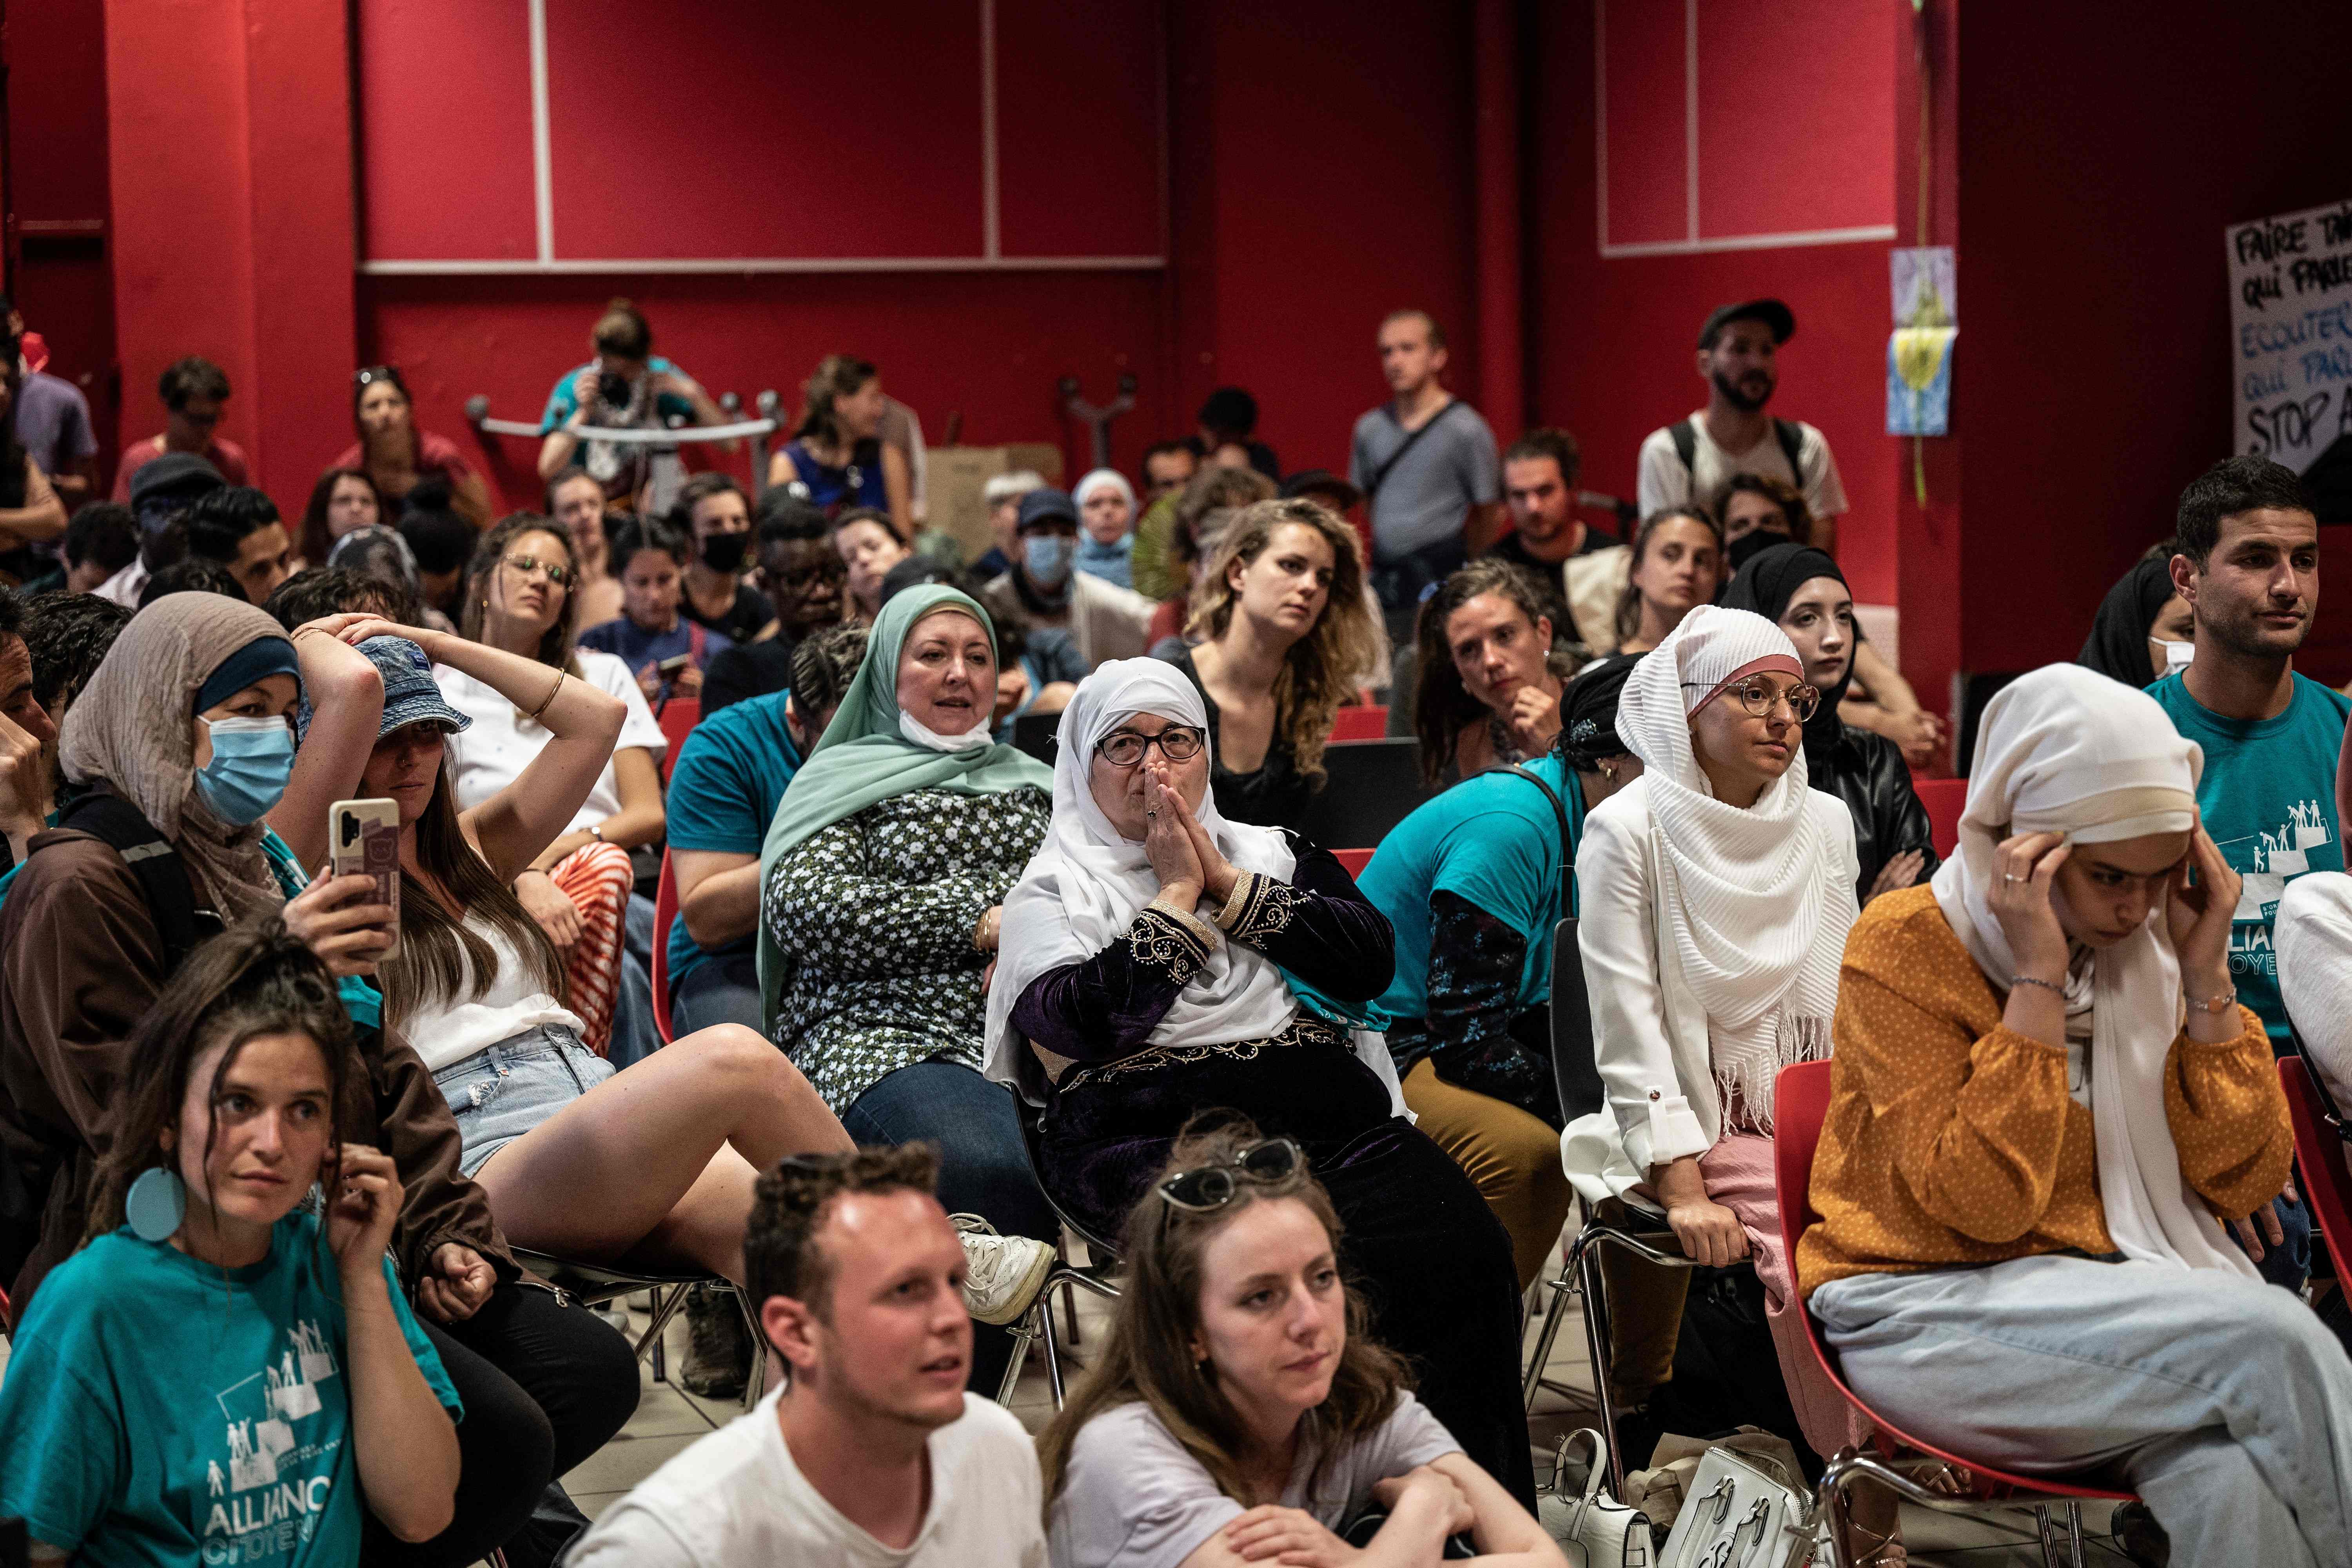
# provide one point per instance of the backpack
(1787, 432)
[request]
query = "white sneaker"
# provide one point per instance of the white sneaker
(1003, 1274)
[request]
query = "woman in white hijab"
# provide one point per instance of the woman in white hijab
(1157, 960)
(2029, 1154)
(1718, 889)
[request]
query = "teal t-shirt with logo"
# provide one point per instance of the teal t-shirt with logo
(158, 1410)
(2268, 799)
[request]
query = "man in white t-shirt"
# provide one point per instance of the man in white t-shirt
(872, 1453)
(1689, 463)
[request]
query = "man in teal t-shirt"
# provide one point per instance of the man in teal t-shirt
(2247, 560)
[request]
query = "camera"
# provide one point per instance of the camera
(613, 389)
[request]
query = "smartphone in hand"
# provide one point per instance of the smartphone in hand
(363, 838)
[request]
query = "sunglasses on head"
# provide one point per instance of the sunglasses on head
(1208, 1188)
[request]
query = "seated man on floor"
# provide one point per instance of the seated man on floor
(870, 1450)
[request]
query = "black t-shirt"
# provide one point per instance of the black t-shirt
(1273, 795)
(743, 620)
(746, 670)
(1514, 549)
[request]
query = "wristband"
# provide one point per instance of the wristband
(2017, 980)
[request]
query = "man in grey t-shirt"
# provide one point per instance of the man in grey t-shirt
(1426, 463)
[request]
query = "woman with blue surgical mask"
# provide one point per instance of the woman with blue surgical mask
(174, 756)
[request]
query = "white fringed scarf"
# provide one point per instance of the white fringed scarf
(1749, 895)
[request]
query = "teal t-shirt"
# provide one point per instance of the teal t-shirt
(158, 1410)
(1492, 840)
(731, 771)
(2268, 799)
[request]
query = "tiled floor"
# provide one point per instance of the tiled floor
(668, 1420)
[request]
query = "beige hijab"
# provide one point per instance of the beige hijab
(130, 729)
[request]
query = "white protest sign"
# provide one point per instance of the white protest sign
(2291, 333)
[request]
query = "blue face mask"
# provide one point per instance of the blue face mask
(1046, 558)
(252, 759)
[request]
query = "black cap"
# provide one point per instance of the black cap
(1321, 481)
(1771, 312)
(175, 473)
(1039, 505)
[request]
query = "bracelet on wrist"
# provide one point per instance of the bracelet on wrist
(2017, 980)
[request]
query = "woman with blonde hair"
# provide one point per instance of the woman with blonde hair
(1285, 639)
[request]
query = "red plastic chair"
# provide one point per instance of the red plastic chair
(1800, 1102)
(1361, 721)
(1944, 799)
(678, 717)
(664, 912)
(2319, 1155)
(1355, 860)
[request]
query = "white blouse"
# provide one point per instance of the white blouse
(492, 755)
(1649, 1031)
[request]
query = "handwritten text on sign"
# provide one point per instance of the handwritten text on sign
(2290, 321)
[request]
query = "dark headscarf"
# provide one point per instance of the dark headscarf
(2118, 646)
(1587, 713)
(1765, 586)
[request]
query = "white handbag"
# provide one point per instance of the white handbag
(1736, 1516)
(1595, 1529)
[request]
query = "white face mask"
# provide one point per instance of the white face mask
(2176, 655)
(915, 730)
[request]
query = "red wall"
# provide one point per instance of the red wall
(2098, 168)
(1613, 339)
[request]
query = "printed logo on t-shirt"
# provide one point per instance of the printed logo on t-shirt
(263, 1504)
(2267, 862)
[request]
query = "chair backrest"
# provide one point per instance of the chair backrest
(664, 912)
(1945, 799)
(1575, 1069)
(678, 717)
(2320, 1153)
(1800, 1103)
(1360, 721)
(1373, 785)
(1355, 860)
(1033, 733)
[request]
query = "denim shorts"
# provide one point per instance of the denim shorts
(506, 1089)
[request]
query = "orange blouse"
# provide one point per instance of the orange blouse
(1951, 1139)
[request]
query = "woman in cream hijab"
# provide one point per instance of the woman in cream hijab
(2046, 1101)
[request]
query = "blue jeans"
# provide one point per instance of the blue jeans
(633, 1035)
(983, 1166)
(2223, 1402)
(719, 990)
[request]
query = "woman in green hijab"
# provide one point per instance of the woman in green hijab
(883, 881)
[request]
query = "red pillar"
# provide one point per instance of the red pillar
(1494, 95)
(230, 154)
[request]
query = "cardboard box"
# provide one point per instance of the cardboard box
(953, 478)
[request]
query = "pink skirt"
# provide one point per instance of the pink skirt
(1739, 1176)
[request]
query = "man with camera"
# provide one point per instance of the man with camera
(626, 386)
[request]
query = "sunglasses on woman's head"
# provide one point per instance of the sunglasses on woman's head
(1208, 1188)
(1757, 696)
(1177, 743)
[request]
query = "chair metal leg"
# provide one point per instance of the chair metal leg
(755, 1382)
(1836, 1506)
(1023, 1333)
(2048, 1536)
(665, 1305)
(1555, 1312)
(1587, 1262)
(2075, 1530)
(1044, 1311)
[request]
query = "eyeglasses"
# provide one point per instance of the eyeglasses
(1211, 1187)
(825, 572)
(1177, 743)
(1757, 695)
(524, 565)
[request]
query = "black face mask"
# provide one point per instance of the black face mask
(724, 552)
(1745, 548)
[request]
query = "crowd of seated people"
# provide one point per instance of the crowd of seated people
(931, 1001)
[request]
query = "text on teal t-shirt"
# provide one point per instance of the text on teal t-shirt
(1492, 840)
(730, 773)
(2268, 799)
(158, 1410)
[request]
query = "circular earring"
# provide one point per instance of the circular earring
(156, 1204)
